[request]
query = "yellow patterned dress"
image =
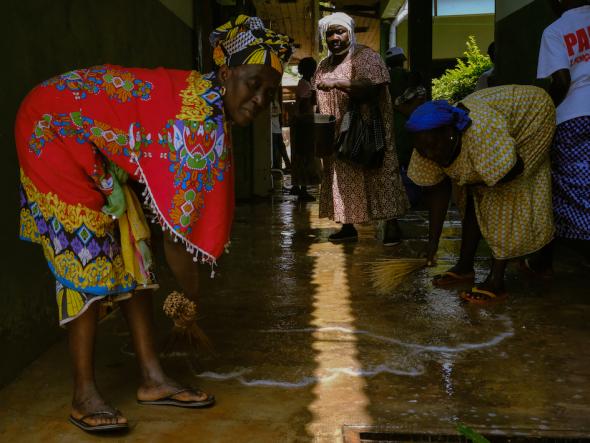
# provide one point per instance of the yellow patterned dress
(515, 218)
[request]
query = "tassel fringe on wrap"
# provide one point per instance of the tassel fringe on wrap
(197, 253)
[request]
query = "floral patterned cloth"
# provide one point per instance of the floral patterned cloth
(350, 194)
(165, 128)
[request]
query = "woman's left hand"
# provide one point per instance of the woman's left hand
(327, 84)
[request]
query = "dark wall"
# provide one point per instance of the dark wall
(41, 38)
(518, 37)
(420, 38)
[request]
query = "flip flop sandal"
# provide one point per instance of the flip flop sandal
(82, 424)
(482, 296)
(450, 278)
(170, 401)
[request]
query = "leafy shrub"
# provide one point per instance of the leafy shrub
(458, 82)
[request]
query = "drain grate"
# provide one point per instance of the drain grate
(365, 434)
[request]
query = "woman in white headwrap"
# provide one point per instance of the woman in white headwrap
(351, 194)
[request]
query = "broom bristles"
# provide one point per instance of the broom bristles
(192, 336)
(386, 274)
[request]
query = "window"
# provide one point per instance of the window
(462, 7)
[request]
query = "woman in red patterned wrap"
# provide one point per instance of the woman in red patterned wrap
(81, 136)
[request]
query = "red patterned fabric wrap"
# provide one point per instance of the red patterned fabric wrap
(166, 128)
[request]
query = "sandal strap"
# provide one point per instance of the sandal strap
(451, 274)
(112, 414)
(179, 391)
(192, 390)
(489, 294)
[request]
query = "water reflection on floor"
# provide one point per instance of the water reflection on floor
(304, 345)
(416, 357)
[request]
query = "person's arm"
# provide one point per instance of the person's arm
(362, 89)
(495, 159)
(516, 170)
(183, 267)
(560, 84)
(438, 197)
(554, 64)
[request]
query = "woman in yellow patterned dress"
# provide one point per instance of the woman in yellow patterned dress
(494, 145)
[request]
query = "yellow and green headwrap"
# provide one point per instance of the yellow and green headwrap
(245, 41)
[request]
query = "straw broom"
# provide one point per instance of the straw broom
(386, 274)
(183, 312)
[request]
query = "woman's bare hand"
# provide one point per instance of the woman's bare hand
(327, 84)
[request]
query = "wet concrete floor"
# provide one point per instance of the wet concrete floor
(304, 345)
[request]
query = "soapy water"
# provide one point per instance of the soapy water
(414, 346)
(330, 374)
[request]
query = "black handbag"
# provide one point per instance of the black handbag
(361, 141)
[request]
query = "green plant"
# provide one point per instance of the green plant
(472, 435)
(458, 82)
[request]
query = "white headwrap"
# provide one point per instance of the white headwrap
(338, 18)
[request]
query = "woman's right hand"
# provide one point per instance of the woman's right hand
(438, 197)
(327, 84)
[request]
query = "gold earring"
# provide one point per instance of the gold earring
(222, 91)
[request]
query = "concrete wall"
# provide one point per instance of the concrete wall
(506, 7)
(261, 155)
(449, 34)
(41, 38)
(518, 36)
(183, 9)
(402, 36)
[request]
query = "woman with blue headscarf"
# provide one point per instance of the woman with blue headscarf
(494, 146)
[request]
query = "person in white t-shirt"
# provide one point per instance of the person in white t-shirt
(564, 56)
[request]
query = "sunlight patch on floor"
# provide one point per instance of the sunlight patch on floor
(341, 399)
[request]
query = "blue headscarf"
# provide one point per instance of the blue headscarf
(435, 114)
